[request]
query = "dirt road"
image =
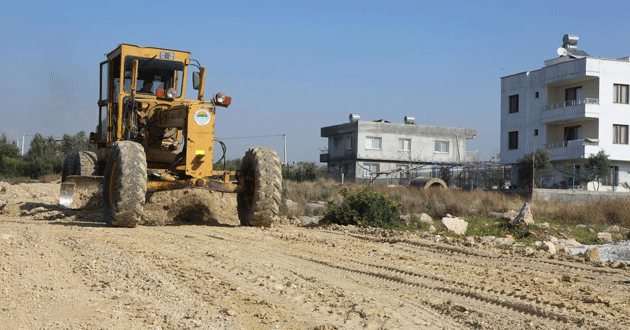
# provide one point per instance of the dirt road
(59, 270)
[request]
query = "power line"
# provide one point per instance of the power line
(248, 137)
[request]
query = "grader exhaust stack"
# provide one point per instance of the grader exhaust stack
(150, 138)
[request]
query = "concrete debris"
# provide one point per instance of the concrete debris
(432, 229)
(456, 225)
(604, 237)
(524, 217)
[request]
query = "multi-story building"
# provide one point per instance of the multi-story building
(574, 106)
(360, 149)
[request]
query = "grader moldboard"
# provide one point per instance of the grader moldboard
(151, 138)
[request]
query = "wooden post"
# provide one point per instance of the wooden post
(533, 170)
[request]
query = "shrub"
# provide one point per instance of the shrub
(365, 208)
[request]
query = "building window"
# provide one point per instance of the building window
(404, 144)
(441, 146)
(536, 132)
(369, 169)
(513, 140)
(620, 134)
(372, 142)
(513, 103)
(572, 94)
(537, 94)
(348, 143)
(621, 94)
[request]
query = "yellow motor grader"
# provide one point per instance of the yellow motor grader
(150, 138)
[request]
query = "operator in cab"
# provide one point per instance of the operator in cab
(147, 85)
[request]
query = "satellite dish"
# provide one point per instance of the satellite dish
(561, 51)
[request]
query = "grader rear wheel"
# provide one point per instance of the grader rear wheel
(125, 184)
(87, 163)
(259, 202)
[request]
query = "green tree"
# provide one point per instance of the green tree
(598, 167)
(75, 143)
(542, 167)
(10, 158)
(301, 171)
(43, 157)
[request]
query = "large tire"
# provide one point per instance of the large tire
(69, 166)
(259, 201)
(125, 184)
(87, 163)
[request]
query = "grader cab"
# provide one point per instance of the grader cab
(150, 138)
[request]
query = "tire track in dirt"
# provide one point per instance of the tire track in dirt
(520, 301)
(316, 278)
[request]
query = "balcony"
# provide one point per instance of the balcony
(573, 149)
(576, 110)
(323, 157)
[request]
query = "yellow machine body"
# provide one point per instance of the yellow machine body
(163, 121)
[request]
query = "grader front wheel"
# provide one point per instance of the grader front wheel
(125, 184)
(259, 202)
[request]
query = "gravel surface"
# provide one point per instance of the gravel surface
(619, 251)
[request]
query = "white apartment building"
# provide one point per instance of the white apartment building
(574, 106)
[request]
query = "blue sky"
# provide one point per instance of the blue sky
(295, 66)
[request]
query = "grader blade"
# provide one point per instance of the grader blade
(77, 190)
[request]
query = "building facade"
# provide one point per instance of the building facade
(361, 149)
(574, 106)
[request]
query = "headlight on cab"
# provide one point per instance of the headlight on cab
(221, 100)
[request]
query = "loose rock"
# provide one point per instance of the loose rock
(548, 246)
(11, 209)
(604, 237)
(592, 254)
(524, 217)
(456, 225)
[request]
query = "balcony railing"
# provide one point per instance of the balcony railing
(570, 103)
(564, 144)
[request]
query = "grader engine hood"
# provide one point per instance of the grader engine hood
(194, 122)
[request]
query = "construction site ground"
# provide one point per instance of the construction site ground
(191, 266)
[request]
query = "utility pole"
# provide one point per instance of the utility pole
(284, 137)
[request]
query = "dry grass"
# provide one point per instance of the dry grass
(598, 213)
(438, 203)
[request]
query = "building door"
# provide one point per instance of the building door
(571, 95)
(572, 133)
